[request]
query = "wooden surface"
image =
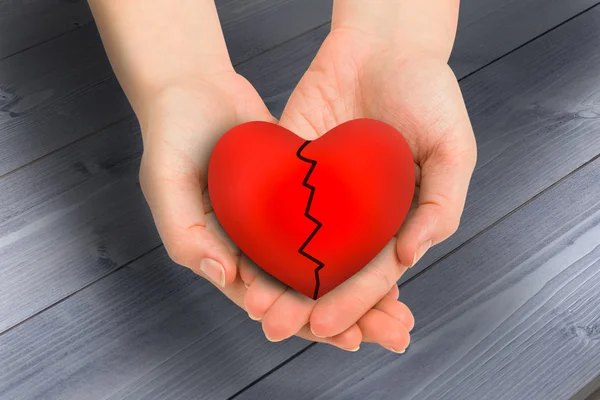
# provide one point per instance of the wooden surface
(514, 314)
(90, 306)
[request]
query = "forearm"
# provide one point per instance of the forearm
(425, 27)
(154, 43)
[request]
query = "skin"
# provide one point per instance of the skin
(383, 60)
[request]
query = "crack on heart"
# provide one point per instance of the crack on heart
(305, 183)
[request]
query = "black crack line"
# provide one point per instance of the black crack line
(305, 183)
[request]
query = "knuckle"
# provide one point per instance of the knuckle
(376, 274)
(322, 322)
(276, 328)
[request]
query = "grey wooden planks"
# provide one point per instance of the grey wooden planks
(517, 107)
(184, 366)
(51, 176)
(115, 335)
(53, 250)
(70, 219)
(524, 149)
(534, 113)
(500, 27)
(54, 94)
(488, 29)
(514, 314)
(52, 100)
(32, 185)
(253, 27)
(24, 24)
(32, 130)
(64, 89)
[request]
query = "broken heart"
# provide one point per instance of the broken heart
(311, 213)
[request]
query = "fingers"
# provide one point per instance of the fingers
(445, 178)
(447, 159)
(348, 340)
(378, 327)
(262, 294)
(393, 293)
(175, 196)
(397, 310)
(284, 312)
(248, 271)
(287, 315)
(342, 307)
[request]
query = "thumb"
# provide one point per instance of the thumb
(444, 183)
(178, 198)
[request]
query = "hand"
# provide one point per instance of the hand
(358, 75)
(183, 125)
(176, 72)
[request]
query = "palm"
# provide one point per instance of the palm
(355, 75)
(184, 125)
(352, 77)
(359, 76)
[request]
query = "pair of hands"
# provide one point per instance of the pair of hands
(354, 75)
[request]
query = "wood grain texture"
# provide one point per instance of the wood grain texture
(488, 28)
(70, 219)
(76, 76)
(514, 314)
(536, 118)
(534, 113)
(64, 89)
(62, 171)
(114, 336)
(81, 215)
(54, 94)
(24, 24)
(39, 183)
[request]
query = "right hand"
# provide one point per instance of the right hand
(183, 123)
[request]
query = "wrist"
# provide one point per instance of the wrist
(180, 95)
(425, 28)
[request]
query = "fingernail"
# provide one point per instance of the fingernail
(421, 252)
(396, 351)
(313, 332)
(252, 317)
(354, 350)
(271, 340)
(214, 270)
(247, 286)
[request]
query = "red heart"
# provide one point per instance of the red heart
(311, 213)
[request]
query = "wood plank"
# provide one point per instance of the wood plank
(489, 28)
(523, 151)
(533, 114)
(512, 315)
(64, 89)
(70, 219)
(79, 197)
(123, 329)
(478, 215)
(62, 171)
(72, 74)
(24, 24)
(52, 189)
(54, 94)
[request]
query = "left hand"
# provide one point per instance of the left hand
(359, 75)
